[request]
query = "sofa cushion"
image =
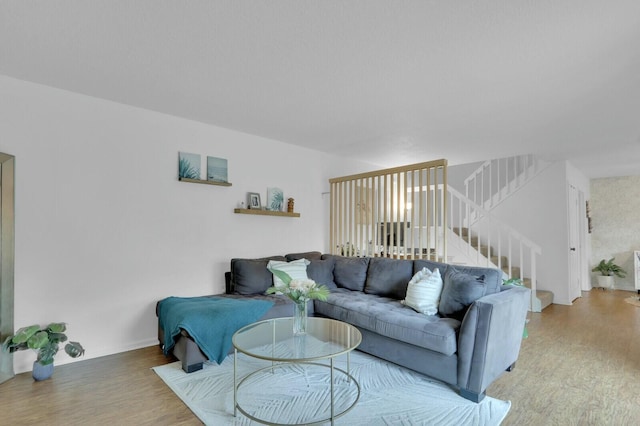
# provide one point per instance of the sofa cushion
(349, 272)
(419, 264)
(390, 318)
(459, 291)
(310, 255)
(388, 277)
(321, 271)
(424, 290)
(296, 269)
(251, 276)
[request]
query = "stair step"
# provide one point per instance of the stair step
(514, 272)
(546, 298)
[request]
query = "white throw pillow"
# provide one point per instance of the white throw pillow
(423, 291)
(296, 269)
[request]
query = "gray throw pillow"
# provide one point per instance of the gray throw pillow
(492, 276)
(459, 291)
(321, 271)
(251, 276)
(388, 277)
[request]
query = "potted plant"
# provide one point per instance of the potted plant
(45, 341)
(607, 271)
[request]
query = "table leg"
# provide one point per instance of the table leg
(235, 387)
(331, 391)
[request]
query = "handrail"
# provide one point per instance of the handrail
(496, 180)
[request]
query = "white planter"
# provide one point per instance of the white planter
(605, 281)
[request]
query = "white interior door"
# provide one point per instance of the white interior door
(575, 242)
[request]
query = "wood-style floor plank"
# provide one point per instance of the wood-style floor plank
(580, 366)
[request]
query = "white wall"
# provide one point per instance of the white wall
(615, 203)
(104, 229)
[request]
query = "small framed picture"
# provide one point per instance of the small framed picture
(253, 200)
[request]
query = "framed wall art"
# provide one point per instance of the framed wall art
(253, 200)
(217, 169)
(275, 199)
(188, 165)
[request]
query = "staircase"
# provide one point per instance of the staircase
(487, 241)
(540, 298)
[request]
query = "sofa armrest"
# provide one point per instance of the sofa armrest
(490, 338)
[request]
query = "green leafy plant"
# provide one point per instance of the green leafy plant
(45, 341)
(608, 268)
(513, 281)
(298, 290)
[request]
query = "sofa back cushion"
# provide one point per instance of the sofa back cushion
(349, 272)
(321, 271)
(251, 276)
(388, 277)
(419, 264)
(309, 255)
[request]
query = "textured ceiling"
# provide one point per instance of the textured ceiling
(388, 82)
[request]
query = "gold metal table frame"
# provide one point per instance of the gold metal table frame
(273, 340)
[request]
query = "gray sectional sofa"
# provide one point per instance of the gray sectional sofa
(475, 337)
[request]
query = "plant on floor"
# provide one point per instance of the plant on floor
(608, 268)
(45, 341)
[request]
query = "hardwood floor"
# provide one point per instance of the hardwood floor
(579, 366)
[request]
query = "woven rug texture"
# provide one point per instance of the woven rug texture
(293, 394)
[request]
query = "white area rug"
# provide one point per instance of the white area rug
(390, 395)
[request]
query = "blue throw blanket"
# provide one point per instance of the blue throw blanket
(210, 321)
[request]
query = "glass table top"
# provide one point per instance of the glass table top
(274, 339)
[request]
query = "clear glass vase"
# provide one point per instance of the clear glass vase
(299, 316)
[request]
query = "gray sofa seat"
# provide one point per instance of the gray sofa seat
(390, 318)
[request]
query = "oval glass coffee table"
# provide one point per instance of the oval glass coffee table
(273, 340)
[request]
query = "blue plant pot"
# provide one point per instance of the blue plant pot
(41, 372)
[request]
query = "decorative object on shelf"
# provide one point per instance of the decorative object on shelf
(300, 292)
(253, 200)
(348, 249)
(45, 341)
(188, 165)
(290, 205)
(217, 169)
(275, 199)
(607, 270)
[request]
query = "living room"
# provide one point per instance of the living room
(103, 227)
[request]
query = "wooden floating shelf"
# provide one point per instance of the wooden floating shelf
(206, 182)
(265, 212)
